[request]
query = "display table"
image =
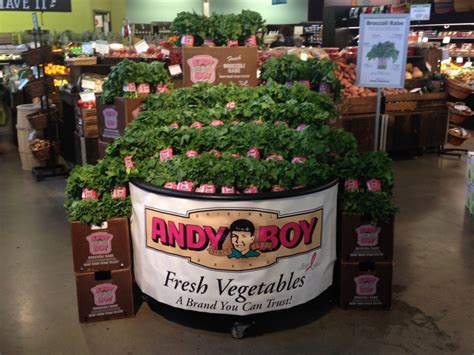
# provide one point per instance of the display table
(233, 254)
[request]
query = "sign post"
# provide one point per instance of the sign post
(382, 55)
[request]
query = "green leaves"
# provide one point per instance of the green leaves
(383, 50)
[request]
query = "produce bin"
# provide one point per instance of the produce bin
(233, 254)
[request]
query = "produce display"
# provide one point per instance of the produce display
(462, 75)
(228, 140)
(218, 29)
(131, 79)
(55, 69)
(346, 73)
(288, 68)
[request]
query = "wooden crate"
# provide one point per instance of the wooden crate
(362, 127)
(358, 105)
(415, 101)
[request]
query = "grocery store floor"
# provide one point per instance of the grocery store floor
(433, 308)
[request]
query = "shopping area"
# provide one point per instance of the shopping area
(215, 176)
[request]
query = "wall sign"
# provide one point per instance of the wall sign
(217, 65)
(420, 12)
(233, 257)
(382, 50)
(36, 5)
(279, 2)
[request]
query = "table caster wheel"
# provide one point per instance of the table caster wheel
(238, 330)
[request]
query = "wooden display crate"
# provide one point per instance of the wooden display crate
(366, 285)
(99, 249)
(359, 240)
(415, 101)
(105, 295)
(362, 127)
(358, 105)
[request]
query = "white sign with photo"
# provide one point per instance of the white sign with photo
(382, 51)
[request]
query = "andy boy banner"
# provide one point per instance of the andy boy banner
(233, 256)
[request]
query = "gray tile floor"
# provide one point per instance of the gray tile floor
(433, 310)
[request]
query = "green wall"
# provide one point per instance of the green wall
(145, 11)
(79, 20)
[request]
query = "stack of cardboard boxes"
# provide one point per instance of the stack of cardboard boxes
(103, 270)
(86, 135)
(365, 264)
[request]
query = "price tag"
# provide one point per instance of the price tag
(304, 57)
(87, 96)
(102, 47)
(446, 40)
(87, 48)
(175, 69)
(420, 12)
(141, 46)
(468, 64)
(88, 84)
(459, 60)
(165, 52)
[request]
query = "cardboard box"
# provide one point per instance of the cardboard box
(105, 295)
(97, 249)
(470, 167)
(470, 198)
(365, 285)
(114, 118)
(358, 240)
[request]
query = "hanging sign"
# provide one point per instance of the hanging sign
(233, 256)
(382, 50)
(215, 65)
(36, 5)
(420, 12)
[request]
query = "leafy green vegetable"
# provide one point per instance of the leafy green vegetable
(383, 50)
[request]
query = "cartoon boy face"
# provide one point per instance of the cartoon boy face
(242, 237)
(242, 241)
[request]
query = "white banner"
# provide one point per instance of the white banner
(233, 256)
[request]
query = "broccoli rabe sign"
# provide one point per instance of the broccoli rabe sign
(382, 50)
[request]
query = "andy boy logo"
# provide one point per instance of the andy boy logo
(202, 68)
(234, 239)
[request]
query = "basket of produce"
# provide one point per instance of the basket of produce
(457, 89)
(40, 149)
(458, 112)
(457, 135)
(40, 87)
(39, 120)
(37, 55)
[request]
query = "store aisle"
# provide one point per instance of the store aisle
(433, 312)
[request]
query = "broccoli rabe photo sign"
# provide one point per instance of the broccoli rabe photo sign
(238, 255)
(383, 46)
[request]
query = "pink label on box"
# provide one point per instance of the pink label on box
(119, 192)
(366, 285)
(207, 189)
(160, 89)
(209, 42)
(174, 125)
(275, 157)
(367, 235)
(216, 123)
(251, 40)
(298, 160)
(128, 162)
(196, 124)
(230, 105)
(170, 185)
(144, 88)
(110, 118)
(228, 189)
(192, 153)
(232, 43)
(202, 68)
(130, 87)
(104, 294)
(374, 185)
(187, 40)
(185, 186)
(278, 188)
(251, 190)
(351, 185)
(100, 243)
(253, 153)
(166, 154)
(89, 194)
